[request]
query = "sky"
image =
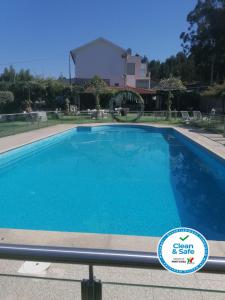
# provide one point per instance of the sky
(38, 35)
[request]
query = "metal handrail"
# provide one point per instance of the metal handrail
(96, 257)
(91, 289)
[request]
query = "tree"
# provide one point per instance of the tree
(97, 86)
(39, 92)
(6, 97)
(171, 85)
(205, 39)
(178, 65)
(216, 90)
(154, 68)
(9, 74)
(24, 75)
(54, 90)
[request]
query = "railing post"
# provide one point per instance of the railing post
(91, 289)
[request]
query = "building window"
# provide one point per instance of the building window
(116, 84)
(130, 68)
(140, 83)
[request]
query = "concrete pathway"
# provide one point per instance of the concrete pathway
(20, 139)
(219, 138)
(118, 283)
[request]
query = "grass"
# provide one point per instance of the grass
(14, 127)
(215, 127)
(149, 119)
(80, 120)
(154, 120)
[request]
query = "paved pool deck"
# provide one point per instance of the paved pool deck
(14, 141)
(118, 283)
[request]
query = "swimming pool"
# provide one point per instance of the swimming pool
(118, 179)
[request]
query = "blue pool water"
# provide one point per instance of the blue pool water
(133, 180)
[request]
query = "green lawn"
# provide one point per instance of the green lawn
(212, 126)
(14, 127)
(149, 119)
(83, 119)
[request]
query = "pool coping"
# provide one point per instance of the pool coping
(91, 240)
(27, 137)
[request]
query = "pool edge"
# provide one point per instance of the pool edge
(105, 241)
(92, 240)
(209, 145)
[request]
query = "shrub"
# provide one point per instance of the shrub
(6, 97)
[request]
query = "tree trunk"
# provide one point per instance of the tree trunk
(169, 103)
(97, 105)
(212, 71)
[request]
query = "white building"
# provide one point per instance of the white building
(110, 62)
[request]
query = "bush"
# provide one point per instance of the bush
(216, 90)
(6, 97)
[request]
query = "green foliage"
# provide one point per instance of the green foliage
(205, 39)
(216, 90)
(177, 66)
(203, 44)
(171, 85)
(10, 75)
(24, 75)
(39, 92)
(97, 87)
(6, 97)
